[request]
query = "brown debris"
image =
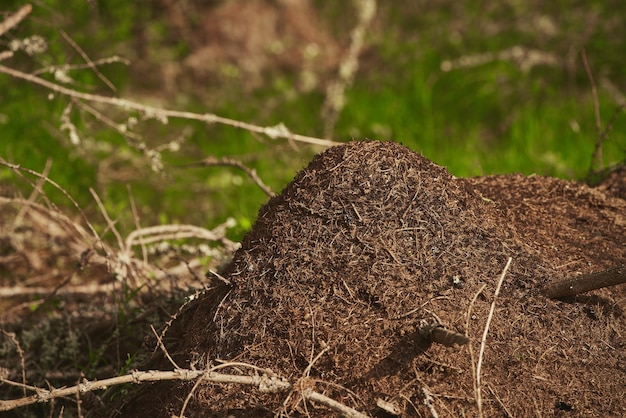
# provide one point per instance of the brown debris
(333, 285)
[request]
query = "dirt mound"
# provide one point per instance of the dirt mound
(343, 277)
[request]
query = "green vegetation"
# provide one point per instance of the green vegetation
(505, 114)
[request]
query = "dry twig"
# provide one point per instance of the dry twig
(17, 168)
(483, 340)
(279, 131)
(20, 352)
(14, 19)
(263, 383)
(38, 190)
(88, 60)
(313, 396)
(597, 152)
(230, 162)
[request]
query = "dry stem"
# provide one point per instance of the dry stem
(273, 132)
(88, 60)
(333, 404)
(484, 338)
(597, 152)
(230, 162)
(265, 384)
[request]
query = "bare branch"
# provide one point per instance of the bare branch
(132, 139)
(88, 60)
(162, 346)
(484, 338)
(82, 289)
(108, 219)
(5, 54)
(273, 132)
(18, 168)
(68, 67)
(524, 57)
(333, 404)
(230, 162)
(14, 19)
(263, 383)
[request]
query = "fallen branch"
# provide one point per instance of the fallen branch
(585, 282)
(333, 404)
(264, 384)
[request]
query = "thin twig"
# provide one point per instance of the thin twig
(263, 383)
(267, 383)
(333, 404)
(110, 223)
(307, 371)
(502, 405)
(609, 125)
(279, 131)
(195, 387)
(428, 401)
(88, 60)
(162, 346)
(467, 326)
(483, 341)
(112, 124)
(230, 162)
(18, 168)
(133, 207)
(69, 67)
(11, 336)
(79, 413)
(597, 152)
(5, 55)
(83, 289)
(37, 190)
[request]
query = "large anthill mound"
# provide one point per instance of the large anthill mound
(333, 287)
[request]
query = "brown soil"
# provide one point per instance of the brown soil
(335, 283)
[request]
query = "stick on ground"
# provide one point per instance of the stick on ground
(584, 283)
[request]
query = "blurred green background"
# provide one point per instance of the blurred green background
(480, 87)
